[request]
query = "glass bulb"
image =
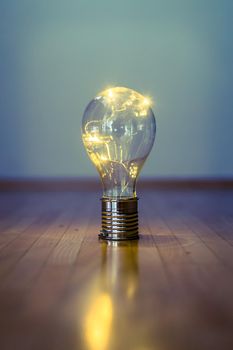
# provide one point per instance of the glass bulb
(118, 131)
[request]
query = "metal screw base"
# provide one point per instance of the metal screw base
(119, 219)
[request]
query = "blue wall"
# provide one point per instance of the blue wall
(56, 55)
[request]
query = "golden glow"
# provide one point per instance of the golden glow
(145, 104)
(147, 101)
(103, 306)
(118, 133)
(110, 93)
(95, 139)
(109, 96)
(98, 322)
(92, 138)
(133, 171)
(140, 102)
(95, 142)
(131, 289)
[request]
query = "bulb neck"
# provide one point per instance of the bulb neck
(119, 219)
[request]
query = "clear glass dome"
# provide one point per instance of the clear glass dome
(118, 131)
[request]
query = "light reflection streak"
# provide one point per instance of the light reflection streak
(98, 322)
(116, 281)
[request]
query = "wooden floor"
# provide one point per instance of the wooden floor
(61, 288)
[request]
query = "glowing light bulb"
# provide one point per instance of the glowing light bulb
(118, 130)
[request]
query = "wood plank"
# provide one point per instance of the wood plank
(56, 271)
(195, 280)
(93, 184)
(61, 288)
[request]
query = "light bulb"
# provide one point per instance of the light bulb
(118, 130)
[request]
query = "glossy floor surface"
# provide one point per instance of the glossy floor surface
(61, 288)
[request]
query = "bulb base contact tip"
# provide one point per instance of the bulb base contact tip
(119, 219)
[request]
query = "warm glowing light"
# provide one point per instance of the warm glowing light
(118, 133)
(131, 290)
(110, 94)
(147, 101)
(133, 170)
(98, 322)
(104, 158)
(93, 138)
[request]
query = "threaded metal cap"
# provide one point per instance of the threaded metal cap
(119, 219)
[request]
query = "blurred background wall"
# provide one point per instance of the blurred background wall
(55, 55)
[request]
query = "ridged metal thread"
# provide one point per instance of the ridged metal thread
(119, 219)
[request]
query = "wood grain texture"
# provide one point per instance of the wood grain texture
(61, 288)
(93, 184)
